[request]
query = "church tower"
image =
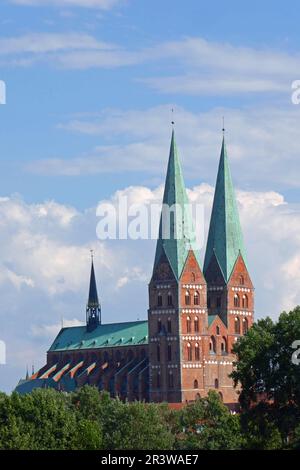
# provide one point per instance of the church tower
(177, 314)
(93, 308)
(230, 290)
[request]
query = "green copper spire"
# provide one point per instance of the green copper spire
(176, 242)
(225, 235)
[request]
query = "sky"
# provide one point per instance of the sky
(90, 85)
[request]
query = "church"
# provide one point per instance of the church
(195, 314)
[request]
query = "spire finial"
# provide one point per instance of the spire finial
(223, 128)
(172, 122)
(92, 254)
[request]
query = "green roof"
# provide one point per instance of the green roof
(225, 235)
(103, 336)
(211, 319)
(176, 242)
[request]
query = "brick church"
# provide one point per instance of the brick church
(195, 315)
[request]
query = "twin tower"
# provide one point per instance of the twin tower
(196, 315)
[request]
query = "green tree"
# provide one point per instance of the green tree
(208, 424)
(269, 379)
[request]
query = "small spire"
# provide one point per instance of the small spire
(93, 311)
(27, 373)
(32, 369)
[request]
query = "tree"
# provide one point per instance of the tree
(268, 377)
(208, 424)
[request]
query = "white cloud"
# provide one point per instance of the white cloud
(198, 66)
(263, 144)
(101, 4)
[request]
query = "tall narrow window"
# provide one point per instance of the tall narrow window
(159, 300)
(170, 299)
(189, 352)
(245, 301)
(158, 353)
(193, 277)
(216, 383)
(224, 345)
(187, 298)
(188, 325)
(218, 330)
(196, 325)
(212, 345)
(241, 280)
(236, 300)
(169, 352)
(171, 380)
(169, 325)
(196, 384)
(158, 380)
(197, 352)
(237, 326)
(159, 326)
(208, 302)
(245, 326)
(196, 298)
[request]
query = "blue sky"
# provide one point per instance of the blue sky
(90, 87)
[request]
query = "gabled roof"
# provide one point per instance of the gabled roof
(176, 242)
(225, 235)
(103, 336)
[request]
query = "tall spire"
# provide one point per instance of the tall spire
(225, 238)
(176, 233)
(93, 309)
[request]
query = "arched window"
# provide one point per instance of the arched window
(188, 325)
(196, 384)
(212, 345)
(170, 299)
(208, 302)
(237, 325)
(169, 352)
(159, 326)
(245, 325)
(197, 352)
(187, 298)
(196, 325)
(236, 300)
(193, 277)
(169, 325)
(221, 396)
(224, 346)
(218, 330)
(241, 280)
(158, 353)
(216, 383)
(245, 301)
(189, 352)
(171, 379)
(196, 298)
(159, 300)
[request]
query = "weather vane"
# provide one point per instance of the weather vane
(92, 254)
(172, 122)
